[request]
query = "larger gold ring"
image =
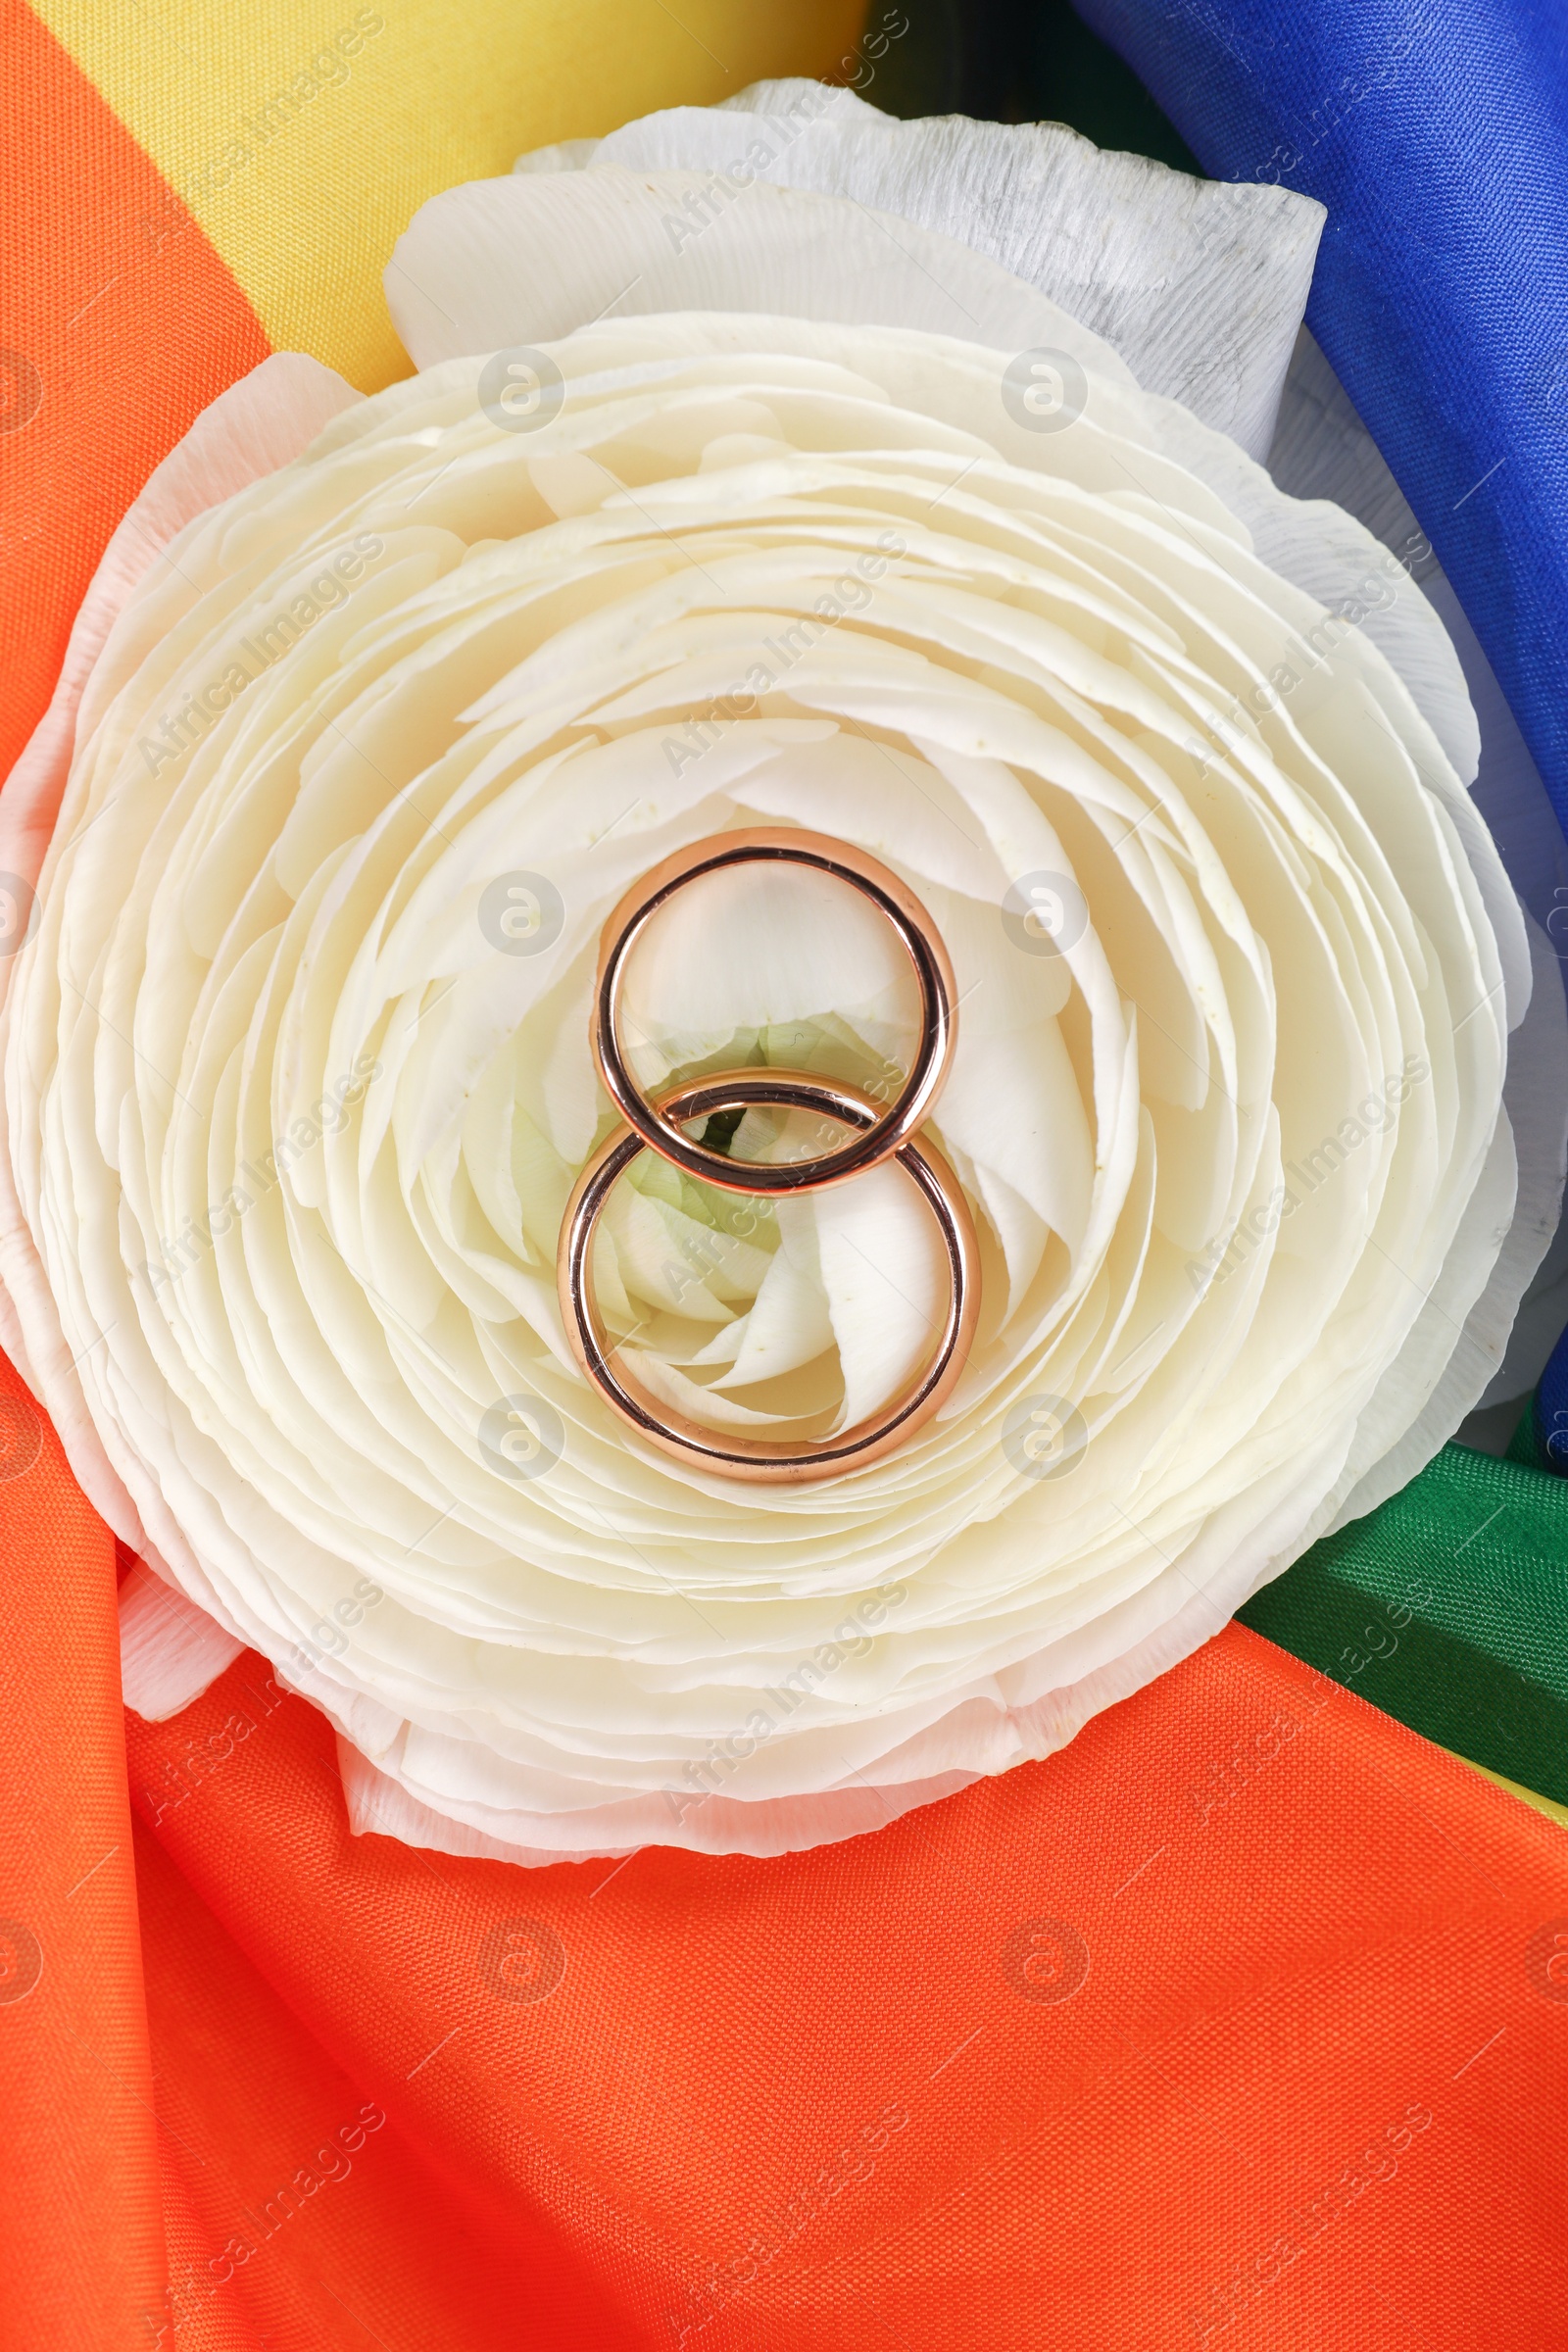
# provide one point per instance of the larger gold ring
(760, 1458)
(888, 1130)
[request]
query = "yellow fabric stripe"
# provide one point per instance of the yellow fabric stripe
(302, 134)
(1527, 1796)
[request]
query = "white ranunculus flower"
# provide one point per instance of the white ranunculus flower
(833, 521)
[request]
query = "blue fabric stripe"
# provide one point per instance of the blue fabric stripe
(1436, 132)
(1549, 1407)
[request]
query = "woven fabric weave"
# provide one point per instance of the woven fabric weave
(1446, 1608)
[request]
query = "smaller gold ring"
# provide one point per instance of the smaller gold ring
(762, 1459)
(889, 1129)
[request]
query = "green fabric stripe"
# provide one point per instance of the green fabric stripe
(1446, 1608)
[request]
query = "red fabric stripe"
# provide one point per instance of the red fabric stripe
(81, 2244)
(303, 2220)
(1304, 2094)
(117, 323)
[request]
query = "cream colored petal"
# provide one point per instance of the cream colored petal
(503, 263)
(170, 1650)
(292, 1112)
(1199, 286)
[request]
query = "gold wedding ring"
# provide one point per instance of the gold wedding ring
(767, 845)
(875, 1135)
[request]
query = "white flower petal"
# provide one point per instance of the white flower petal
(170, 1650)
(1323, 452)
(257, 424)
(291, 1127)
(1198, 286)
(519, 261)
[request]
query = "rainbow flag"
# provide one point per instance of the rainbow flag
(1244, 2020)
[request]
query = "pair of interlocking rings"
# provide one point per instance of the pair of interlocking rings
(874, 1134)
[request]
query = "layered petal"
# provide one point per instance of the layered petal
(298, 1075)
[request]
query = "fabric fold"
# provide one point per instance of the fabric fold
(840, 2077)
(1437, 140)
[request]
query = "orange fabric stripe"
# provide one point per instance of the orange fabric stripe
(313, 2225)
(1228, 2025)
(305, 134)
(118, 325)
(198, 2322)
(81, 2247)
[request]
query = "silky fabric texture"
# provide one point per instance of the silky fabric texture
(81, 2247)
(307, 2218)
(1437, 138)
(110, 348)
(1143, 2036)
